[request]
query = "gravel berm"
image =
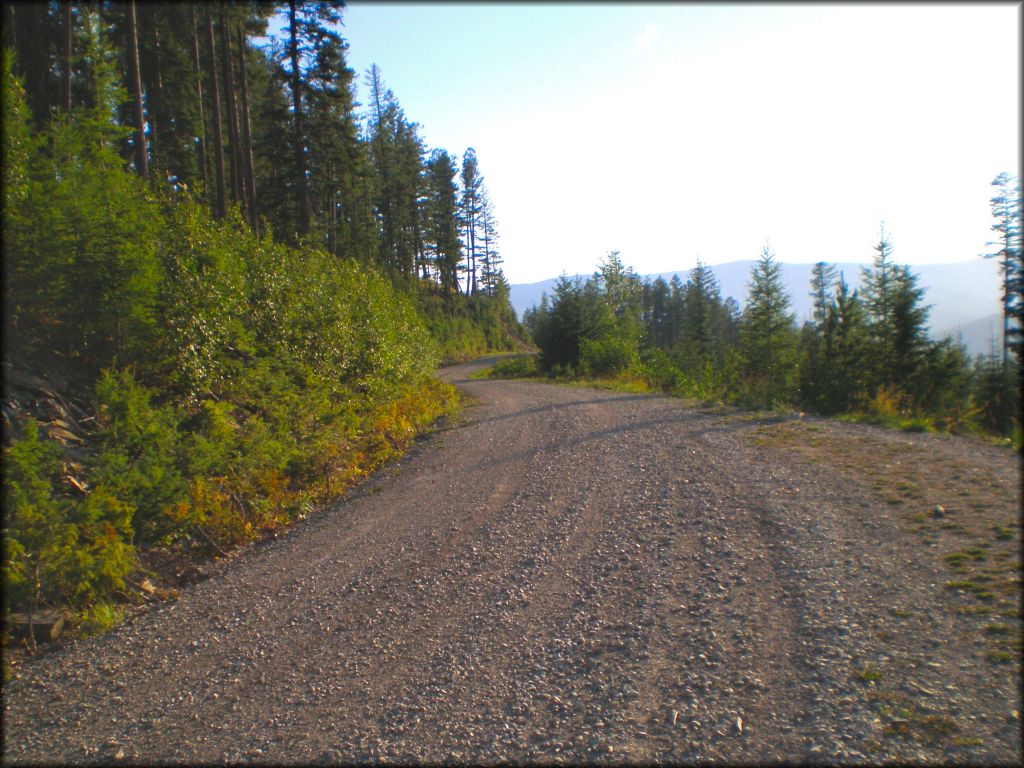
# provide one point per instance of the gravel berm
(561, 575)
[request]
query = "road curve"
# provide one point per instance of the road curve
(565, 574)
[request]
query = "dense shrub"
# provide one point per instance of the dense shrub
(609, 356)
(58, 549)
(236, 381)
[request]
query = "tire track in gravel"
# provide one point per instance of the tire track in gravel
(566, 575)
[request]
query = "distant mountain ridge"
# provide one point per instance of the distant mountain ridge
(964, 296)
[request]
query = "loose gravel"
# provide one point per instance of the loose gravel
(565, 575)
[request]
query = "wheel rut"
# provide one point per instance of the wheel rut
(565, 575)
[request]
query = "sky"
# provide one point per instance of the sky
(677, 131)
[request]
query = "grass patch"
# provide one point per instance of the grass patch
(959, 559)
(99, 618)
(917, 424)
(966, 741)
(999, 657)
(519, 367)
(868, 674)
(910, 490)
(976, 610)
(1002, 533)
(979, 591)
(937, 725)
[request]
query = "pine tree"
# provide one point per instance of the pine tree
(34, 32)
(491, 275)
(381, 119)
(1006, 210)
(141, 160)
(846, 353)
(701, 320)
(218, 131)
(69, 53)
(197, 80)
(469, 212)
(657, 298)
(996, 392)
(441, 228)
(909, 330)
(248, 164)
(832, 371)
(299, 139)
(816, 339)
(767, 334)
(897, 321)
(877, 291)
(823, 275)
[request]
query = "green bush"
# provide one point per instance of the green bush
(138, 462)
(236, 380)
(521, 367)
(658, 371)
(608, 356)
(58, 549)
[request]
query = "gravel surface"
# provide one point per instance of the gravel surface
(572, 575)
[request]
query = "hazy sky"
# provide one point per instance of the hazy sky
(676, 131)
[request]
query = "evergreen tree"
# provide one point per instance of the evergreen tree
(141, 161)
(908, 329)
(877, 292)
(1006, 210)
(311, 26)
(996, 392)
(823, 275)
(767, 334)
(656, 300)
(620, 286)
(492, 277)
(701, 321)
(218, 131)
(469, 214)
(832, 369)
(383, 115)
(441, 227)
(34, 32)
(676, 309)
(200, 108)
(846, 350)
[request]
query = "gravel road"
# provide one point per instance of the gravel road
(570, 575)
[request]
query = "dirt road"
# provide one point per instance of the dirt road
(580, 575)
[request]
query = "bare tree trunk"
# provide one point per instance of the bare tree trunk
(68, 55)
(157, 104)
(332, 212)
(302, 188)
(218, 136)
(1007, 299)
(8, 26)
(389, 236)
(234, 148)
(140, 118)
(203, 162)
(248, 164)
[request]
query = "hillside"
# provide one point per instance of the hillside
(964, 296)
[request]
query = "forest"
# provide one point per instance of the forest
(864, 354)
(226, 288)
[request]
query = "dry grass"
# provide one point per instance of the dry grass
(965, 511)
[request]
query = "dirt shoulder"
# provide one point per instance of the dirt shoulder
(576, 575)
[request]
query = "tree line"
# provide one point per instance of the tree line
(243, 283)
(864, 351)
(217, 110)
